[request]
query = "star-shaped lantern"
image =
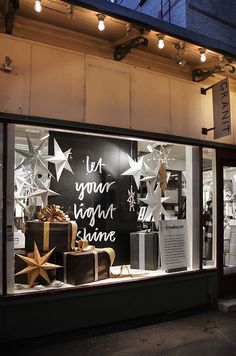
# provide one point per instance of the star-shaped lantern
(33, 157)
(154, 201)
(135, 169)
(60, 159)
(37, 266)
(43, 190)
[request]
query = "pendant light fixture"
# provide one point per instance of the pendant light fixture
(202, 55)
(161, 43)
(38, 6)
(101, 22)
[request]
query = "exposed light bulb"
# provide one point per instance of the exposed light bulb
(38, 6)
(161, 43)
(203, 55)
(101, 22)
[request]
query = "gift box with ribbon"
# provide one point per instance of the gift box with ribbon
(144, 250)
(87, 264)
(53, 228)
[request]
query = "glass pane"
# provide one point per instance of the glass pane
(1, 198)
(90, 192)
(229, 257)
(209, 208)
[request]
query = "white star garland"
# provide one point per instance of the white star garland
(131, 199)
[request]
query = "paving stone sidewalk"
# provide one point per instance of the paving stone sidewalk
(198, 332)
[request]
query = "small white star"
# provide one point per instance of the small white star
(60, 159)
(135, 169)
(43, 190)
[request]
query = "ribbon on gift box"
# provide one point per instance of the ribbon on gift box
(46, 228)
(53, 213)
(142, 250)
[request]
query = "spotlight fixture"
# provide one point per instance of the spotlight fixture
(38, 6)
(203, 54)
(161, 43)
(179, 57)
(181, 62)
(101, 22)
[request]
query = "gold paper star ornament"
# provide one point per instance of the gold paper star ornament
(37, 266)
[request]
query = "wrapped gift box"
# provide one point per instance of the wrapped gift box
(20, 265)
(83, 267)
(47, 235)
(226, 259)
(226, 246)
(232, 248)
(144, 250)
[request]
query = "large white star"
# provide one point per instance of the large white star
(33, 157)
(154, 201)
(43, 190)
(60, 159)
(135, 169)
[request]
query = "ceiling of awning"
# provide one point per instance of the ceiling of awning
(84, 21)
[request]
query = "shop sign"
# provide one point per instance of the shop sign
(172, 235)
(221, 109)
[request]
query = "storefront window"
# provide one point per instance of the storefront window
(92, 209)
(229, 194)
(1, 199)
(209, 208)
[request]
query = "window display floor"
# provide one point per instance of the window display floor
(119, 274)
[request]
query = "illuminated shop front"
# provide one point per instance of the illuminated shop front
(115, 202)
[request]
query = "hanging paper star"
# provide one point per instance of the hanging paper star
(135, 169)
(37, 266)
(164, 155)
(131, 199)
(151, 175)
(43, 190)
(33, 157)
(154, 201)
(158, 153)
(60, 159)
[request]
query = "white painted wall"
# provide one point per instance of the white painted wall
(62, 84)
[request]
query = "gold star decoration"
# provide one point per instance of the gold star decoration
(37, 266)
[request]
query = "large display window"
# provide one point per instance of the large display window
(94, 209)
(1, 199)
(209, 208)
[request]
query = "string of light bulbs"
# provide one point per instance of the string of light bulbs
(101, 27)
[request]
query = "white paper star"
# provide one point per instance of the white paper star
(43, 190)
(164, 155)
(135, 169)
(131, 199)
(33, 157)
(60, 159)
(151, 175)
(154, 201)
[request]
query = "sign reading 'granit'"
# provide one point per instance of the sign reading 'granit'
(221, 109)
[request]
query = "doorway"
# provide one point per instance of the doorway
(226, 194)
